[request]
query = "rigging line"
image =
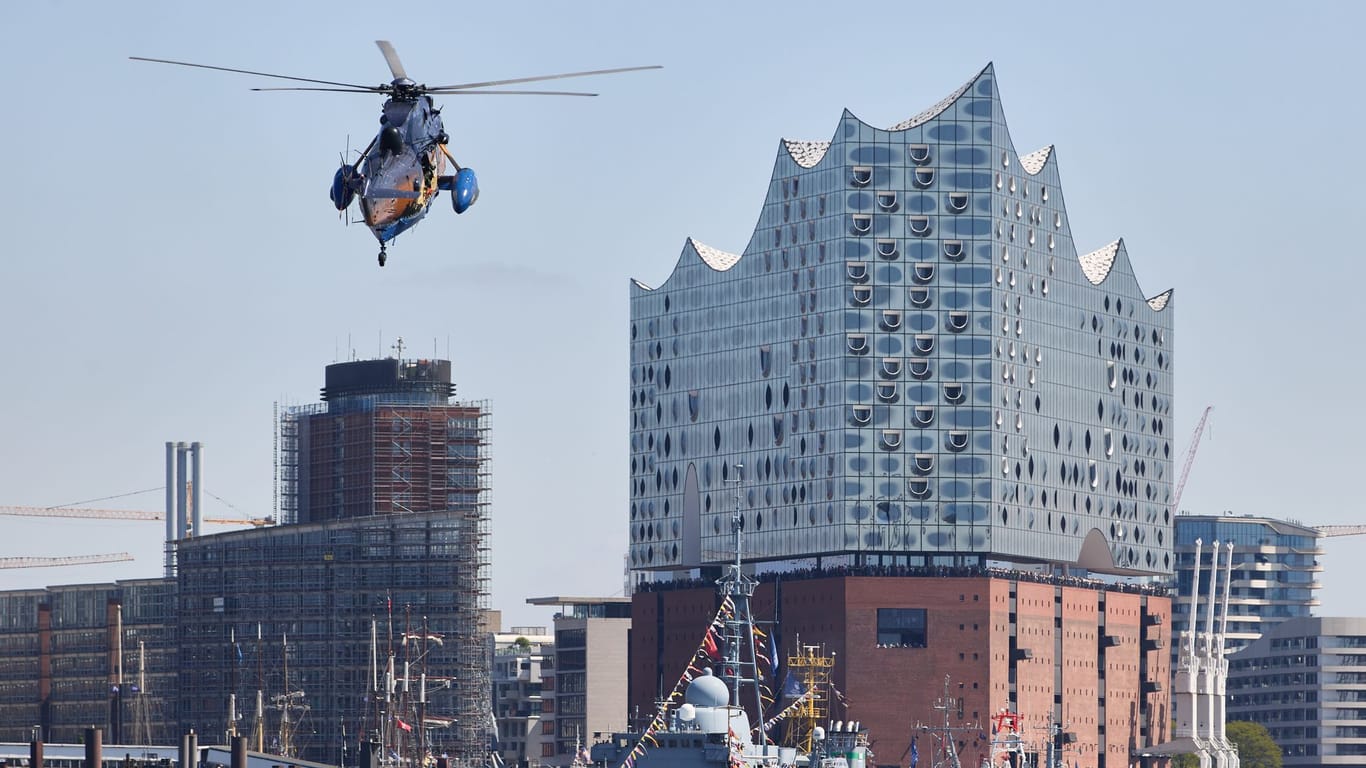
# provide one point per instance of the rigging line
(225, 501)
(106, 498)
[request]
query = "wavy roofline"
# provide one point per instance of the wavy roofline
(1098, 265)
(714, 258)
(806, 154)
(1034, 162)
(942, 104)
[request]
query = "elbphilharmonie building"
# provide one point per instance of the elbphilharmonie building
(910, 363)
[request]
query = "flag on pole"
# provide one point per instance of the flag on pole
(403, 725)
(915, 751)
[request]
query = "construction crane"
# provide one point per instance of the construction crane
(123, 514)
(1329, 531)
(1190, 459)
(45, 562)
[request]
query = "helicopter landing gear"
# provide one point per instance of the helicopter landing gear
(383, 255)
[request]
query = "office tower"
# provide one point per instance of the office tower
(385, 504)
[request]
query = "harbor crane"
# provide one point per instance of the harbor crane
(46, 562)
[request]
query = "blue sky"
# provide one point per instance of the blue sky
(174, 267)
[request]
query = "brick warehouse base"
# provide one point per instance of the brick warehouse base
(1083, 653)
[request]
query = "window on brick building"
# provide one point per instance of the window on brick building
(901, 627)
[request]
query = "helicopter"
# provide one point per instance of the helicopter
(399, 174)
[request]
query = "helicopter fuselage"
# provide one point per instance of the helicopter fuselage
(399, 176)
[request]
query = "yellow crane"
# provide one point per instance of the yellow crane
(46, 562)
(123, 514)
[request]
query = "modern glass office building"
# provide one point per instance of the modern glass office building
(909, 363)
(1274, 578)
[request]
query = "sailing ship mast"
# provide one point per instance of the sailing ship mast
(259, 727)
(947, 754)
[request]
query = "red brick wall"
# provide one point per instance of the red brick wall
(893, 690)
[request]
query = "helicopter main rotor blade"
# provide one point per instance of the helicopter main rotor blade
(464, 86)
(391, 58)
(249, 72)
(505, 93)
(372, 89)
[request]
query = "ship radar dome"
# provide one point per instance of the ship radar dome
(707, 690)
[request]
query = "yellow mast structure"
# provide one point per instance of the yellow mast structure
(811, 665)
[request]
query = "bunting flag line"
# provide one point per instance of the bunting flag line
(708, 648)
(772, 721)
(840, 696)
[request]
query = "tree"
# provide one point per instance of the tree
(1185, 761)
(1255, 747)
(522, 644)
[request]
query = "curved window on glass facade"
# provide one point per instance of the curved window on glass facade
(923, 272)
(860, 414)
(886, 249)
(956, 440)
(861, 224)
(919, 153)
(891, 319)
(923, 415)
(858, 343)
(891, 439)
(860, 175)
(918, 488)
(958, 202)
(920, 225)
(957, 321)
(953, 250)
(954, 392)
(920, 297)
(861, 294)
(886, 200)
(920, 367)
(886, 391)
(922, 343)
(857, 271)
(923, 177)
(923, 463)
(891, 367)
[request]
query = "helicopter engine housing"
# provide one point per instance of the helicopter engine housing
(343, 189)
(465, 190)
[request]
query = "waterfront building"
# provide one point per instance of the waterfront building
(1304, 679)
(385, 504)
(1275, 572)
(928, 410)
(909, 363)
(522, 657)
(76, 655)
(385, 517)
(1082, 654)
(586, 690)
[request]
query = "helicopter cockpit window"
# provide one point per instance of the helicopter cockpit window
(396, 112)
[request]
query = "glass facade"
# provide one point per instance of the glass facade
(909, 364)
(1274, 579)
(61, 670)
(311, 591)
